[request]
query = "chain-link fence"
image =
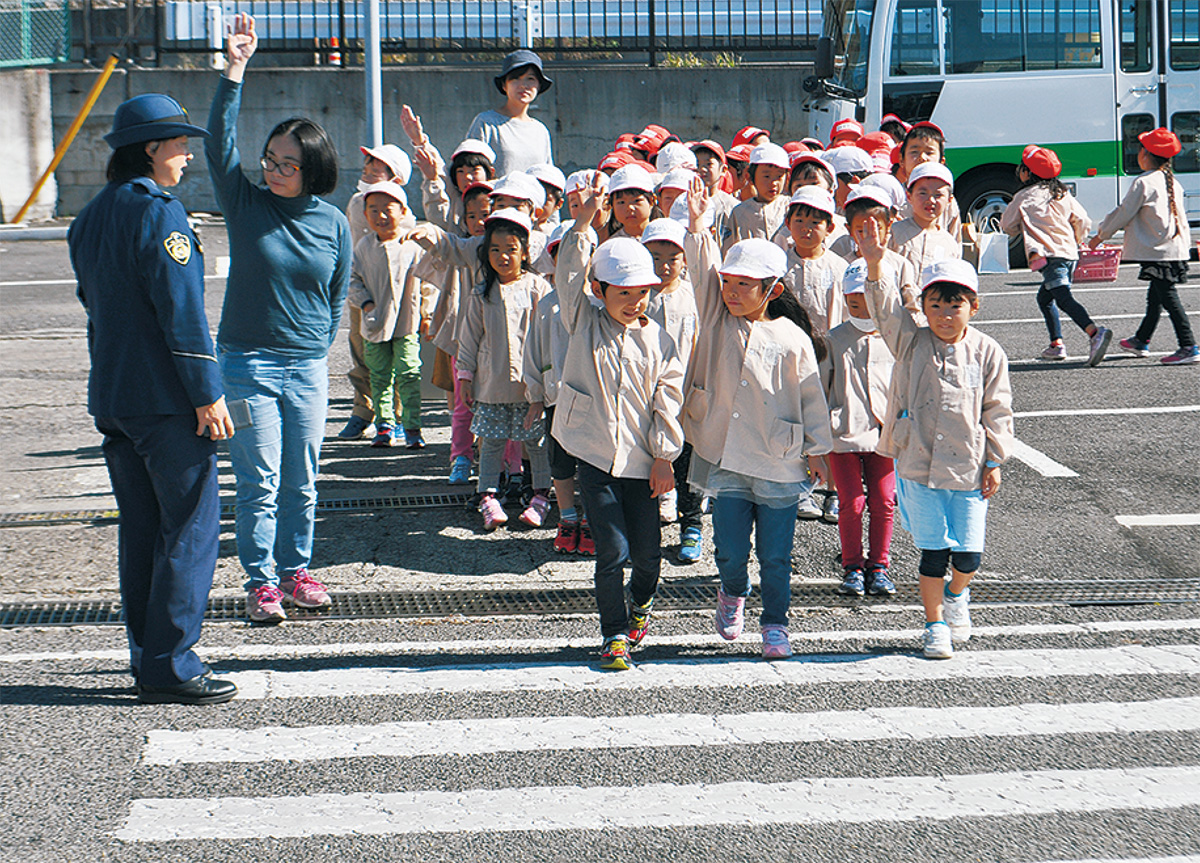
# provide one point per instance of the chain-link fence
(33, 32)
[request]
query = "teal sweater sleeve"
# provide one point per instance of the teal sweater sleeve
(289, 257)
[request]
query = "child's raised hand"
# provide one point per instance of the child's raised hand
(697, 202)
(411, 124)
(591, 200)
(871, 246)
(426, 162)
(662, 477)
(991, 482)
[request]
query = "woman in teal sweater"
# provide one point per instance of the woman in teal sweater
(290, 255)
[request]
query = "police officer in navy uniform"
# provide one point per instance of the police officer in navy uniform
(155, 393)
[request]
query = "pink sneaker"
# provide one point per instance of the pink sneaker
(493, 513)
(305, 590)
(731, 615)
(776, 644)
(265, 605)
(535, 514)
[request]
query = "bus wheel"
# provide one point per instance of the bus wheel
(983, 197)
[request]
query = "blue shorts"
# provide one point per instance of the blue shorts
(1058, 273)
(939, 518)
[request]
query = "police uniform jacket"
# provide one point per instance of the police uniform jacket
(140, 274)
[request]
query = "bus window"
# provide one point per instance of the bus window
(1185, 34)
(1136, 26)
(1021, 35)
(1186, 124)
(914, 39)
(1133, 125)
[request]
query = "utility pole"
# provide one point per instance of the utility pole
(372, 62)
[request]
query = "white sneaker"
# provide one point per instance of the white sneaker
(936, 642)
(958, 616)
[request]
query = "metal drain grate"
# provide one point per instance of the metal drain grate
(324, 505)
(671, 596)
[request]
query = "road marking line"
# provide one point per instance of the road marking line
(501, 645)
(1039, 461)
(1098, 412)
(830, 800)
(1193, 858)
(1185, 519)
(714, 672)
(551, 733)
(978, 323)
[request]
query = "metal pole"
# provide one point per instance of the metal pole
(372, 62)
(72, 131)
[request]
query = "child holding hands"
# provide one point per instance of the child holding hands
(949, 426)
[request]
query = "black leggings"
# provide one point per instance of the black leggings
(1163, 295)
(934, 562)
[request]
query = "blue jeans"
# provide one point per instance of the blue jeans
(774, 533)
(1056, 291)
(275, 460)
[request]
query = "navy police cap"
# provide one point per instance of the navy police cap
(150, 117)
(519, 59)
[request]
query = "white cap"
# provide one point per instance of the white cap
(674, 155)
(394, 158)
(508, 214)
(578, 180)
(950, 270)
(854, 280)
(561, 231)
(520, 185)
(889, 184)
(385, 187)
(679, 213)
(631, 177)
(680, 178)
(769, 154)
(665, 230)
(936, 170)
(849, 160)
(549, 175)
(473, 146)
(755, 258)
(815, 197)
(625, 263)
(878, 194)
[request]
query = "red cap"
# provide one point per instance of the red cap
(846, 127)
(1041, 162)
(892, 118)
(616, 159)
(1161, 142)
(709, 144)
(747, 134)
(740, 153)
(650, 139)
(478, 184)
(795, 147)
(925, 124)
(876, 142)
(813, 144)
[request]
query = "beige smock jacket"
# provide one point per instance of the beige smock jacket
(545, 352)
(856, 373)
(621, 388)
(949, 406)
(755, 404)
(676, 313)
(386, 274)
(1052, 228)
(752, 218)
(922, 247)
(817, 284)
(491, 338)
(1149, 225)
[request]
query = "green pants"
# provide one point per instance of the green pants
(395, 364)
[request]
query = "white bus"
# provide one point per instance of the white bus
(1083, 77)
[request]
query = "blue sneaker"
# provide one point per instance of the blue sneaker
(691, 545)
(852, 582)
(413, 439)
(385, 436)
(355, 429)
(1182, 357)
(879, 583)
(460, 471)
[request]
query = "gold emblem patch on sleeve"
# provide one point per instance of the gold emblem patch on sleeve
(179, 247)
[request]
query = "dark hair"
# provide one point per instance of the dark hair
(787, 306)
(318, 156)
(553, 192)
(504, 229)
(475, 193)
(895, 129)
(855, 176)
(521, 70)
(614, 226)
(865, 206)
(807, 211)
(470, 160)
(1164, 164)
(924, 133)
(808, 170)
(1053, 185)
(949, 292)
(130, 161)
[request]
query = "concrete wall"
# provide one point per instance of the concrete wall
(585, 111)
(26, 142)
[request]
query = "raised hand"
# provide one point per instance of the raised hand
(591, 201)
(241, 41)
(411, 124)
(427, 163)
(697, 202)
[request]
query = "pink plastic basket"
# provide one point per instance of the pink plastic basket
(1099, 265)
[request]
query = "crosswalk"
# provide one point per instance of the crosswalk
(410, 741)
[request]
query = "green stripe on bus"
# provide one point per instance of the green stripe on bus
(1081, 159)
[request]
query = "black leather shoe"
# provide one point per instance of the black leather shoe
(198, 690)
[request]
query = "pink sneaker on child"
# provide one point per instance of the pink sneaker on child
(265, 605)
(731, 615)
(776, 644)
(305, 590)
(493, 513)
(535, 514)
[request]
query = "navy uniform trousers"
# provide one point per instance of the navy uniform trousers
(164, 477)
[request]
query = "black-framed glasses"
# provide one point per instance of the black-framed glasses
(283, 169)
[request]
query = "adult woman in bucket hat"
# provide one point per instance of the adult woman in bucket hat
(519, 141)
(155, 393)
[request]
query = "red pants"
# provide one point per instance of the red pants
(851, 472)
